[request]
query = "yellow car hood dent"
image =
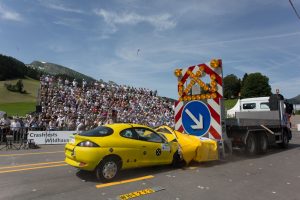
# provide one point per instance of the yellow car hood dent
(194, 148)
(188, 145)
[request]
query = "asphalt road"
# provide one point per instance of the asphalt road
(42, 174)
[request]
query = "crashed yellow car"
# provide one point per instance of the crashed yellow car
(111, 148)
(192, 148)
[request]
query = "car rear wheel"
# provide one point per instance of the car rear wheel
(108, 169)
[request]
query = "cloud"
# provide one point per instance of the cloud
(289, 88)
(7, 14)
(63, 8)
(159, 22)
(69, 22)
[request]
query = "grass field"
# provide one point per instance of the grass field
(18, 108)
(229, 103)
(15, 103)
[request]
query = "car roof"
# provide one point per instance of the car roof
(125, 125)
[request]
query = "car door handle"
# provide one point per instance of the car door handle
(144, 146)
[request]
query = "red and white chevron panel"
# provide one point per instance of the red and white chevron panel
(215, 130)
(178, 112)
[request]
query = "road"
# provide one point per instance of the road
(42, 174)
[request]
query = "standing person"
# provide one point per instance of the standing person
(81, 126)
(15, 129)
(52, 125)
(289, 110)
(67, 82)
(75, 83)
(83, 84)
(60, 121)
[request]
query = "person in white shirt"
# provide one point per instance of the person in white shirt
(15, 129)
(60, 121)
(81, 126)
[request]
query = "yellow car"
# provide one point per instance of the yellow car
(111, 148)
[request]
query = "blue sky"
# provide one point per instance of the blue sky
(101, 38)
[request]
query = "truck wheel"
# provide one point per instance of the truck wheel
(285, 140)
(108, 169)
(262, 143)
(251, 145)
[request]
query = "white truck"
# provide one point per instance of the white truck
(249, 105)
(255, 131)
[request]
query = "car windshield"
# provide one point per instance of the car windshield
(100, 131)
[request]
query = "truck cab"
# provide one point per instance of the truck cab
(249, 105)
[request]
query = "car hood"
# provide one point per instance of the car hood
(194, 148)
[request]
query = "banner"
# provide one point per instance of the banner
(50, 137)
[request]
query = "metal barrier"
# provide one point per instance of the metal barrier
(19, 138)
(13, 139)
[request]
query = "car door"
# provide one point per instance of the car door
(155, 149)
(132, 150)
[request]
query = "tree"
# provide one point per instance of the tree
(244, 78)
(232, 86)
(256, 85)
(19, 86)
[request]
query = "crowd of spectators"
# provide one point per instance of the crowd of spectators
(69, 105)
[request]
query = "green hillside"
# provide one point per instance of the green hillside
(295, 100)
(229, 103)
(15, 103)
(30, 85)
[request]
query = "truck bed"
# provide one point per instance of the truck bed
(245, 119)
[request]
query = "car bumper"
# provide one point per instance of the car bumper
(85, 158)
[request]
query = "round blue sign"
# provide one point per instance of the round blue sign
(196, 118)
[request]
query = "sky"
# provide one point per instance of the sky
(140, 43)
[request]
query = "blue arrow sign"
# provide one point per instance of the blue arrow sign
(196, 118)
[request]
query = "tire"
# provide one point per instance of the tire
(262, 143)
(108, 169)
(177, 162)
(251, 145)
(285, 140)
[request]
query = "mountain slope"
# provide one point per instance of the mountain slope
(11, 68)
(55, 69)
(295, 100)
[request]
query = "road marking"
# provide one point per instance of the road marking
(122, 182)
(32, 164)
(192, 168)
(25, 154)
(139, 193)
(32, 168)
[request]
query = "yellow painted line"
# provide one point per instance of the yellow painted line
(122, 182)
(32, 168)
(32, 164)
(25, 154)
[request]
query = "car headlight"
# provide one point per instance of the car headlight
(87, 144)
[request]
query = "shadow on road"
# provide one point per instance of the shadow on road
(127, 174)
(238, 155)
